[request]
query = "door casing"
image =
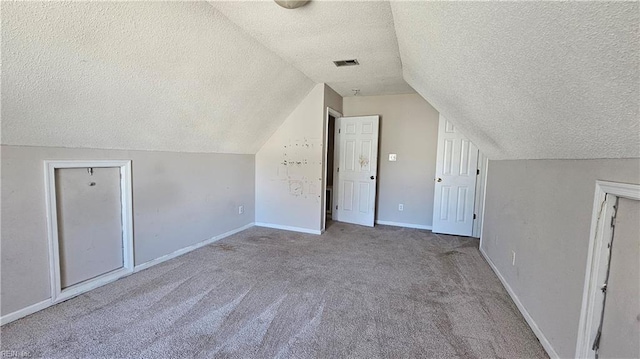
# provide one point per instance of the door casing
(600, 235)
(323, 214)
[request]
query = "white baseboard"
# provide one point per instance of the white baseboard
(536, 330)
(406, 225)
(25, 311)
(184, 250)
(288, 228)
(47, 303)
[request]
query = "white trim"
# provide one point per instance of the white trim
(596, 257)
(288, 228)
(406, 225)
(25, 311)
(57, 293)
(48, 302)
(484, 197)
(190, 248)
(534, 327)
(323, 214)
(481, 184)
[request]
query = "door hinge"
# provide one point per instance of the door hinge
(474, 216)
(336, 206)
(477, 172)
(338, 170)
(339, 130)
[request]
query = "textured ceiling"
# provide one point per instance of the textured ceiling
(529, 80)
(311, 37)
(523, 80)
(145, 76)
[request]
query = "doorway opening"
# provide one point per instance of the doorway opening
(330, 172)
(355, 170)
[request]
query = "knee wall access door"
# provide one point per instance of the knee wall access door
(89, 223)
(90, 234)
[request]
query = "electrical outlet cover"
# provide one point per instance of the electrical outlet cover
(392, 157)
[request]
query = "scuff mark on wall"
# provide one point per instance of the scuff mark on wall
(292, 169)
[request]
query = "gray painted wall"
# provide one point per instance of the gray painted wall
(289, 168)
(408, 128)
(291, 194)
(541, 209)
(179, 199)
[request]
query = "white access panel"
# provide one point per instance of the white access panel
(89, 223)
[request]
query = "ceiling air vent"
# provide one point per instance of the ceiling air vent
(341, 63)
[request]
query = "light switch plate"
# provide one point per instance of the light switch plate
(392, 157)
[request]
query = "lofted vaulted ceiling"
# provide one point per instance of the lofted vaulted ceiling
(313, 36)
(139, 75)
(529, 80)
(523, 80)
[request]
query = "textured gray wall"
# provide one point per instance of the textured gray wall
(541, 209)
(289, 195)
(408, 128)
(179, 199)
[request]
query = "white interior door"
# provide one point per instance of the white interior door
(357, 147)
(456, 170)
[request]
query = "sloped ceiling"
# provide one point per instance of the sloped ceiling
(524, 80)
(313, 36)
(529, 80)
(145, 76)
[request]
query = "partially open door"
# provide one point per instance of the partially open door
(456, 171)
(357, 148)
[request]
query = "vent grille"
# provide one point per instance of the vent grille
(341, 63)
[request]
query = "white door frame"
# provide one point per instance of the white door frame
(323, 210)
(57, 293)
(481, 186)
(597, 261)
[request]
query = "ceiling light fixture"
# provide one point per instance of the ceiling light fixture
(291, 4)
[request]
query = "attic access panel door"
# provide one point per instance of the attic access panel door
(456, 171)
(90, 224)
(357, 169)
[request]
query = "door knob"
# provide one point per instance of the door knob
(372, 177)
(439, 180)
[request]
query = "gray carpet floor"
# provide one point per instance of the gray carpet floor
(353, 292)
